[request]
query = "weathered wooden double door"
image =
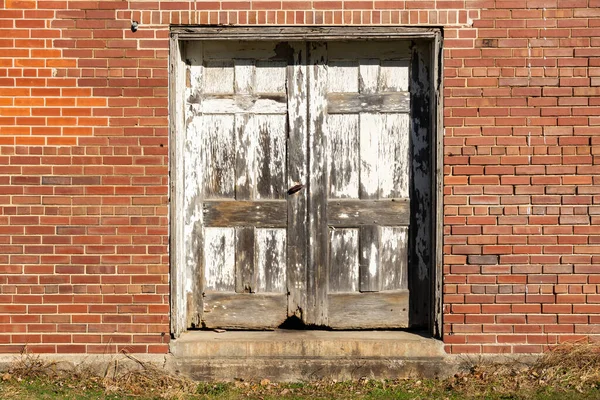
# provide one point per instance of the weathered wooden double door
(297, 184)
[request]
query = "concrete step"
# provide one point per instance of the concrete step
(298, 355)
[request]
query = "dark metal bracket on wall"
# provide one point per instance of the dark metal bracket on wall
(183, 33)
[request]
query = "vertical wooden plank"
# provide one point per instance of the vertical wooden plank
(218, 146)
(394, 142)
(343, 260)
(245, 157)
(317, 286)
(245, 281)
(270, 76)
(370, 126)
(244, 76)
(394, 258)
(270, 156)
(342, 76)
(218, 77)
(219, 259)
(270, 260)
(437, 185)
(245, 278)
(193, 185)
(370, 273)
(368, 75)
(393, 76)
(297, 161)
(180, 269)
(343, 153)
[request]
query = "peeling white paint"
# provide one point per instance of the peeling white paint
(270, 247)
(219, 259)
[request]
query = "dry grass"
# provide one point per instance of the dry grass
(571, 369)
(123, 375)
(566, 367)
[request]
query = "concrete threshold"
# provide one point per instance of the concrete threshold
(303, 355)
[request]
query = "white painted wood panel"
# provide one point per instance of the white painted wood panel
(342, 76)
(343, 156)
(394, 258)
(371, 126)
(343, 259)
(270, 76)
(271, 137)
(219, 259)
(394, 144)
(393, 76)
(244, 75)
(271, 260)
(218, 76)
(218, 155)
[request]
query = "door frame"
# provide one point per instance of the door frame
(182, 33)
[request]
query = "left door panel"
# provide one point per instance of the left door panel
(235, 182)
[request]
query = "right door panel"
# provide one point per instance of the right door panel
(359, 115)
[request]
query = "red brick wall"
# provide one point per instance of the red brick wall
(83, 166)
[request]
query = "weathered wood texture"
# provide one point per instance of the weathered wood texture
(318, 256)
(236, 170)
(244, 310)
(381, 310)
(421, 246)
(281, 115)
(342, 103)
(297, 166)
(245, 213)
(348, 213)
(367, 130)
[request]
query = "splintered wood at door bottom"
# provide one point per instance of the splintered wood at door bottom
(380, 310)
(244, 310)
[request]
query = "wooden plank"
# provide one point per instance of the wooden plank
(369, 259)
(437, 181)
(380, 50)
(244, 310)
(244, 158)
(244, 76)
(318, 257)
(193, 159)
(271, 156)
(270, 260)
(393, 76)
(421, 244)
(270, 76)
(217, 134)
(219, 259)
(180, 314)
(297, 161)
(245, 213)
(394, 147)
(370, 127)
(350, 103)
(227, 50)
(368, 75)
(218, 76)
(245, 279)
(343, 153)
(343, 260)
(394, 258)
(352, 213)
(257, 35)
(381, 310)
(254, 104)
(342, 76)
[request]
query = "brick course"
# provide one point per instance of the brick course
(84, 166)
